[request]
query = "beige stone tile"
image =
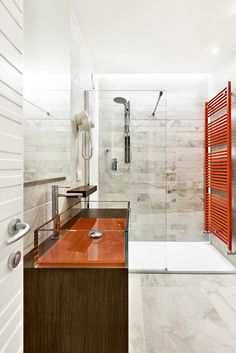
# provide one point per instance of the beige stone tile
(224, 301)
(136, 323)
(183, 320)
(215, 281)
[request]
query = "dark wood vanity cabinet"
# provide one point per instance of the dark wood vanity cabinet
(75, 310)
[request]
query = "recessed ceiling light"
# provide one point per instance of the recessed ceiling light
(215, 51)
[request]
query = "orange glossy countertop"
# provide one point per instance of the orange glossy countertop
(76, 249)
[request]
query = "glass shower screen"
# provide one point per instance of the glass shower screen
(132, 165)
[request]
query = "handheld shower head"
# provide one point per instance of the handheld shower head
(121, 100)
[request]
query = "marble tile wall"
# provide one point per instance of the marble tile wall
(165, 179)
(182, 313)
(144, 181)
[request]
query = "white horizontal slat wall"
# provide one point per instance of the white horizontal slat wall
(11, 171)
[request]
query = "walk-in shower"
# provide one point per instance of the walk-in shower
(165, 181)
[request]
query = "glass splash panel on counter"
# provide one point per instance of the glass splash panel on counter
(89, 234)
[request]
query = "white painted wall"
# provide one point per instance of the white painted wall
(67, 68)
(81, 70)
(47, 36)
(47, 84)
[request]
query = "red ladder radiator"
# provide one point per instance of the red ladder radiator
(218, 185)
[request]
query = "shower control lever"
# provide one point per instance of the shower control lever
(114, 164)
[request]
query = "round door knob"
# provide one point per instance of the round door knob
(14, 259)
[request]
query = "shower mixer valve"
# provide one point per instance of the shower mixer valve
(114, 164)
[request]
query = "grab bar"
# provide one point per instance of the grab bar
(18, 229)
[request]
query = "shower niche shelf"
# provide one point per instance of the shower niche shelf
(86, 190)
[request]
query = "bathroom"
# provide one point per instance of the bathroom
(106, 138)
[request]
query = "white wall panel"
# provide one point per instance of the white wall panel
(10, 76)
(9, 104)
(9, 50)
(11, 171)
(13, 12)
(10, 29)
(10, 143)
(10, 125)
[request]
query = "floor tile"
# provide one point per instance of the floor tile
(183, 320)
(136, 322)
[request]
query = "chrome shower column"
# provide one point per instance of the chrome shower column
(121, 100)
(127, 132)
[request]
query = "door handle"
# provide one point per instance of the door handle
(17, 229)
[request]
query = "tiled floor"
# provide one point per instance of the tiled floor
(172, 313)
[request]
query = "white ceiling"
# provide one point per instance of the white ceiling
(156, 36)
